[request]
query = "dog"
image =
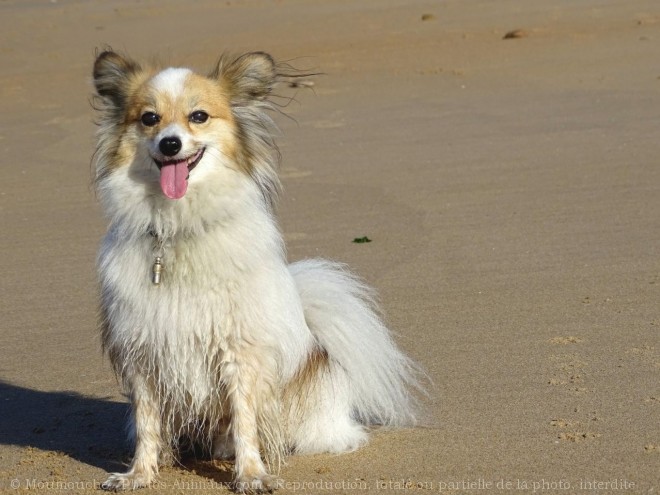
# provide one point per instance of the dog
(215, 338)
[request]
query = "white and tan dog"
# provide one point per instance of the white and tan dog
(214, 336)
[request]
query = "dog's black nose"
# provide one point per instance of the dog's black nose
(169, 146)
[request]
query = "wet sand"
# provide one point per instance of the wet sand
(509, 185)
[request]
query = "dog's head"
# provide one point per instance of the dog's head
(173, 127)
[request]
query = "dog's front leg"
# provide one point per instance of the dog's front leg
(147, 431)
(248, 390)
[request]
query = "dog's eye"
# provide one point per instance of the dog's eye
(199, 117)
(150, 119)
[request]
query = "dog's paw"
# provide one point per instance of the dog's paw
(265, 483)
(125, 481)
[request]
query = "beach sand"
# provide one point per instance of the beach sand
(510, 186)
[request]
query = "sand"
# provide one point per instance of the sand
(509, 185)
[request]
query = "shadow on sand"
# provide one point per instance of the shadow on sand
(87, 429)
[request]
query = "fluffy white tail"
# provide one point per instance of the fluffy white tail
(373, 378)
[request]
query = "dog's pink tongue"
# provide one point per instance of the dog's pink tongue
(174, 179)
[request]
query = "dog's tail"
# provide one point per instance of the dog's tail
(379, 382)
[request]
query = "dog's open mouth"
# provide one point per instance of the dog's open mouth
(174, 174)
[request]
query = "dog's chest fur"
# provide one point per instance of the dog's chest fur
(210, 305)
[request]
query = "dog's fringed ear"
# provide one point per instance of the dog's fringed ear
(250, 77)
(112, 74)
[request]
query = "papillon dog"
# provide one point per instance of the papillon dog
(215, 338)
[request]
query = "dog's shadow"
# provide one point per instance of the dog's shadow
(88, 429)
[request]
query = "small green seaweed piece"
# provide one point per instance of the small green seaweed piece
(361, 240)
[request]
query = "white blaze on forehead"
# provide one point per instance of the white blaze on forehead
(171, 81)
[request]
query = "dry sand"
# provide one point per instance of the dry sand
(510, 187)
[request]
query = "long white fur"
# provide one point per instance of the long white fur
(212, 352)
(369, 379)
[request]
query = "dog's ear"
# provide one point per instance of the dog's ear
(250, 77)
(112, 74)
